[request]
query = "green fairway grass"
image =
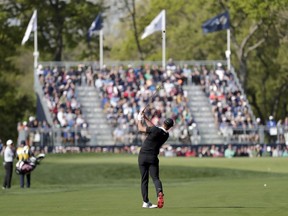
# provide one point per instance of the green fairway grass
(109, 184)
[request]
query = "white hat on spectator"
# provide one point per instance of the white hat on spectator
(219, 64)
(270, 117)
(24, 123)
(31, 118)
(268, 148)
(9, 142)
(258, 120)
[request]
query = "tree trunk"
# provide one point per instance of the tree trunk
(58, 51)
(135, 30)
(243, 72)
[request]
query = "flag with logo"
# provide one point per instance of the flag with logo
(95, 26)
(157, 24)
(217, 23)
(32, 26)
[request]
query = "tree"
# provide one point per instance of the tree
(62, 25)
(14, 102)
(258, 37)
(130, 7)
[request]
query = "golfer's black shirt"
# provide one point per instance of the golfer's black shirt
(155, 139)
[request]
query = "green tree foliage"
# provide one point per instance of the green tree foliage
(258, 43)
(62, 25)
(14, 103)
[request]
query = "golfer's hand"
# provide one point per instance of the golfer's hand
(140, 116)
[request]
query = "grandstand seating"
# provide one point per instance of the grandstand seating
(123, 91)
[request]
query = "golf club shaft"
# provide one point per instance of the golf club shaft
(151, 98)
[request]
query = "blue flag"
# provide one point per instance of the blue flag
(96, 25)
(217, 23)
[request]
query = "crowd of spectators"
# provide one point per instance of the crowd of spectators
(59, 88)
(36, 134)
(229, 105)
(125, 91)
(231, 111)
(227, 151)
(197, 151)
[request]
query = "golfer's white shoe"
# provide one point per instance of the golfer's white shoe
(148, 205)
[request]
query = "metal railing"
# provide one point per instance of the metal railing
(95, 64)
(51, 138)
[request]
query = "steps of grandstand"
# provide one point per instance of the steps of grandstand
(99, 128)
(202, 112)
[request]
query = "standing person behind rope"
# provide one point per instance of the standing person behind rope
(23, 154)
(8, 164)
(148, 157)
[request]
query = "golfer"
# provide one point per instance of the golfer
(148, 157)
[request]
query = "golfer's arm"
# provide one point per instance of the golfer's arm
(148, 122)
(141, 127)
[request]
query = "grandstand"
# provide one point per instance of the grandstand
(86, 106)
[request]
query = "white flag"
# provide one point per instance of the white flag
(157, 24)
(31, 26)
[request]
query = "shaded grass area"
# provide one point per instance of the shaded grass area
(104, 184)
(70, 169)
(117, 173)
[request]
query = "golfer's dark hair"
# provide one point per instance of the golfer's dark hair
(168, 123)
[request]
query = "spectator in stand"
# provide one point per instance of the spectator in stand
(187, 73)
(196, 78)
(285, 152)
(285, 126)
(229, 152)
(119, 134)
(272, 130)
(22, 131)
(89, 76)
(195, 137)
(84, 135)
(220, 72)
(280, 131)
(46, 136)
(171, 65)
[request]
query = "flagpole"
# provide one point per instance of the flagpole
(101, 48)
(36, 53)
(164, 40)
(228, 51)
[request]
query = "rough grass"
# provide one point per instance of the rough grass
(105, 184)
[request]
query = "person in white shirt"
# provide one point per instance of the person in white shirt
(8, 163)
